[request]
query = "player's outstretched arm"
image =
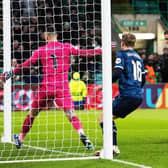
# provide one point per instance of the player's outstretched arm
(85, 53)
(27, 64)
(89, 52)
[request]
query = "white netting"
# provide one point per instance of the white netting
(1, 38)
(52, 136)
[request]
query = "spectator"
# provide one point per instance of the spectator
(14, 63)
(151, 75)
(78, 90)
(156, 66)
(66, 32)
(15, 45)
(166, 36)
(142, 53)
(164, 65)
(144, 58)
(85, 77)
(28, 7)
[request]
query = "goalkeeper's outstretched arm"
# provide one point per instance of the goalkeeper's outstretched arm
(25, 65)
(85, 53)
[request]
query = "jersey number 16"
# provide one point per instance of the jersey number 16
(137, 70)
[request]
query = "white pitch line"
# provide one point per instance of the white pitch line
(74, 158)
(131, 163)
(47, 160)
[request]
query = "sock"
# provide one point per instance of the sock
(114, 132)
(77, 125)
(28, 122)
(101, 125)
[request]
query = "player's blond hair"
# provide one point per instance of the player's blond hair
(129, 39)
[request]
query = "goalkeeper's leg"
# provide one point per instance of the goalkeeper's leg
(27, 124)
(77, 125)
(64, 100)
(38, 103)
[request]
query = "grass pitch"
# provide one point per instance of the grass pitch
(142, 139)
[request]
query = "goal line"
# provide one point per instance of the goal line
(81, 157)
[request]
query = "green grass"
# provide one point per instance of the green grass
(142, 139)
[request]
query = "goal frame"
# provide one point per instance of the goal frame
(7, 135)
(107, 77)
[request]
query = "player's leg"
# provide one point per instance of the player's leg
(114, 129)
(38, 102)
(123, 106)
(27, 124)
(74, 120)
(64, 100)
(115, 147)
(77, 125)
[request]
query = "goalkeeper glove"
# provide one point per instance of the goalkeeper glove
(6, 75)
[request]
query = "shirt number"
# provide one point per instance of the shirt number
(54, 61)
(137, 70)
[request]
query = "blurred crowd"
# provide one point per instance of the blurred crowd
(155, 65)
(77, 22)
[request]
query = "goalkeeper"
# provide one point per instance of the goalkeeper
(55, 60)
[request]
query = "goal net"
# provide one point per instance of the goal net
(53, 135)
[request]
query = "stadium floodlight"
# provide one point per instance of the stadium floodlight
(52, 136)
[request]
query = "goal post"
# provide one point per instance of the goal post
(107, 78)
(7, 67)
